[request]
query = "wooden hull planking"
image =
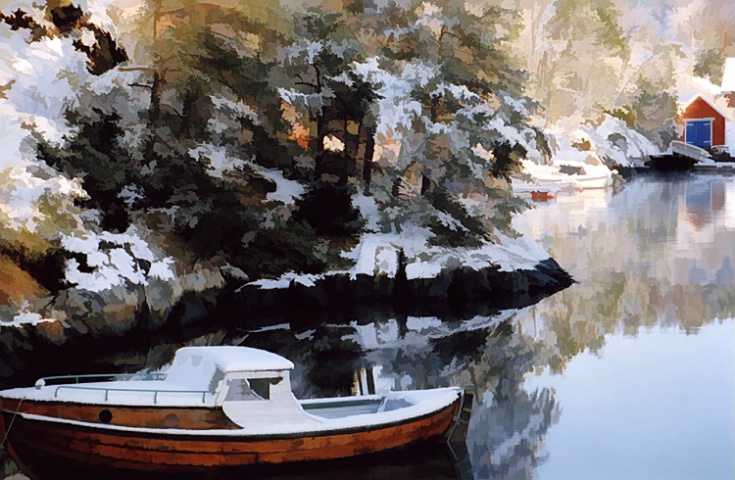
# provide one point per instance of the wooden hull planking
(188, 418)
(38, 445)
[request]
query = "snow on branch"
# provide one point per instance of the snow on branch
(238, 109)
(116, 263)
(309, 101)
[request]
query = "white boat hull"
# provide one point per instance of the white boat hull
(581, 181)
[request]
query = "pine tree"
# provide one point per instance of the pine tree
(455, 144)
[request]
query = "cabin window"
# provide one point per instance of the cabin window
(240, 390)
(261, 386)
(216, 378)
(571, 170)
(251, 388)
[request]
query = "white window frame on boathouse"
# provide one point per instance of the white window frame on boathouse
(711, 121)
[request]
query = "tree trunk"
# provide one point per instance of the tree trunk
(425, 184)
(433, 113)
(367, 163)
(320, 131)
(154, 116)
(157, 87)
(369, 374)
(187, 111)
(154, 111)
(348, 155)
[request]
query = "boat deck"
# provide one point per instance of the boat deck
(346, 407)
(342, 408)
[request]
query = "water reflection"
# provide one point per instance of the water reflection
(489, 353)
(431, 462)
(658, 254)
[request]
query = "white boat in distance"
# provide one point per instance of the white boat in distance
(591, 174)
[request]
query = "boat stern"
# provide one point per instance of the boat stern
(457, 433)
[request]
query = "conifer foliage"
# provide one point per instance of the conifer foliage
(247, 129)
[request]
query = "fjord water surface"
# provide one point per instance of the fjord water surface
(629, 373)
(644, 375)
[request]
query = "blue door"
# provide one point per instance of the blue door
(699, 133)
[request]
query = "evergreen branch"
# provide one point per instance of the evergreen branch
(305, 83)
(136, 69)
(169, 106)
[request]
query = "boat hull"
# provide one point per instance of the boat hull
(190, 418)
(591, 183)
(44, 448)
(581, 181)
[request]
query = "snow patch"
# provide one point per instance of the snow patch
(369, 210)
(287, 191)
(377, 254)
(21, 191)
(27, 317)
(285, 281)
(611, 140)
(219, 160)
(113, 267)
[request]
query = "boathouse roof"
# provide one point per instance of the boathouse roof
(710, 103)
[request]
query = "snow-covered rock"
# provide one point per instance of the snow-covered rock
(616, 144)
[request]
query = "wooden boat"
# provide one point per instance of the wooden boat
(213, 408)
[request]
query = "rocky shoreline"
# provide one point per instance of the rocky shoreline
(451, 289)
(207, 298)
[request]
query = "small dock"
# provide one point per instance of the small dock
(715, 167)
(683, 156)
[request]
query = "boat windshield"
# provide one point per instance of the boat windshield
(571, 169)
(218, 376)
(251, 388)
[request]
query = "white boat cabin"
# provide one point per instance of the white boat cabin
(252, 386)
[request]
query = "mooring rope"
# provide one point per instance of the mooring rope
(10, 425)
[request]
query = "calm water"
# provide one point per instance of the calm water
(630, 373)
(645, 376)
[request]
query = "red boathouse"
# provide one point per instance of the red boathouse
(704, 124)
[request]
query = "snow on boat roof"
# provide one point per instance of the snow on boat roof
(232, 359)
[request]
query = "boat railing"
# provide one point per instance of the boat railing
(152, 376)
(155, 392)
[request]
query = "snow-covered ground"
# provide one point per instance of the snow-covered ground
(117, 265)
(377, 254)
(40, 80)
(612, 141)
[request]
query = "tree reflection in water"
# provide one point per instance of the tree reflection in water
(508, 422)
(660, 253)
